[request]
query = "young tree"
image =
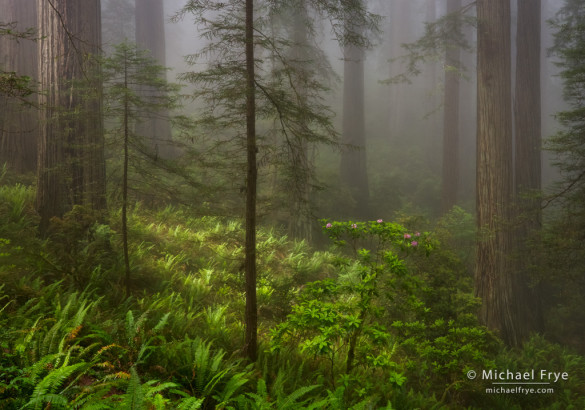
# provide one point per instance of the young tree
(71, 166)
(18, 65)
(126, 73)
(493, 270)
(268, 94)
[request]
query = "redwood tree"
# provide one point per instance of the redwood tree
(71, 167)
(451, 120)
(493, 280)
(18, 122)
(150, 35)
(354, 174)
(527, 110)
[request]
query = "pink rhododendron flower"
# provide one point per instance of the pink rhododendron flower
(328, 225)
(417, 234)
(354, 226)
(406, 236)
(379, 221)
(414, 243)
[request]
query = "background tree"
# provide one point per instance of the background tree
(451, 123)
(493, 270)
(18, 63)
(564, 241)
(71, 167)
(150, 35)
(354, 172)
(527, 162)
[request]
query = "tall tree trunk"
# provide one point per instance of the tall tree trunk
(493, 280)
(71, 165)
(468, 117)
(451, 121)
(300, 223)
(18, 123)
(251, 339)
(354, 174)
(150, 35)
(527, 109)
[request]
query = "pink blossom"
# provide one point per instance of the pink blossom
(354, 226)
(379, 221)
(417, 234)
(414, 243)
(406, 236)
(328, 225)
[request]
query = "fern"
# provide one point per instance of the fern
(190, 403)
(135, 394)
(44, 391)
(291, 401)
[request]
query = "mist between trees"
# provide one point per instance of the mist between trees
(345, 192)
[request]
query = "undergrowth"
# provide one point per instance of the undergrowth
(384, 319)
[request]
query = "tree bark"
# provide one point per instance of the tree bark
(18, 123)
(527, 109)
(71, 165)
(251, 339)
(493, 280)
(150, 35)
(451, 121)
(354, 174)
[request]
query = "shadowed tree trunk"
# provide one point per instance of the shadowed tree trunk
(18, 124)
(354, 173)
(251, 337)
(451, 121)
(493, 280)
(150, 35)
(71, 167)
(527, 108)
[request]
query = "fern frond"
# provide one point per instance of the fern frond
(134, 397)
(290, 402)
(51, 382)
(190, 403)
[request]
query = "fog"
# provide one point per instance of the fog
(404, 121)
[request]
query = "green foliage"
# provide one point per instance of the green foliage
(406, 312)
(562, 250)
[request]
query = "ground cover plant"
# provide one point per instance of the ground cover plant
(384, 318)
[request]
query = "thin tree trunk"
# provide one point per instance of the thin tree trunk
(493, 281)
(125, 179)
(527, 108)
(251, 340)
(18, 123)
(451, 122)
